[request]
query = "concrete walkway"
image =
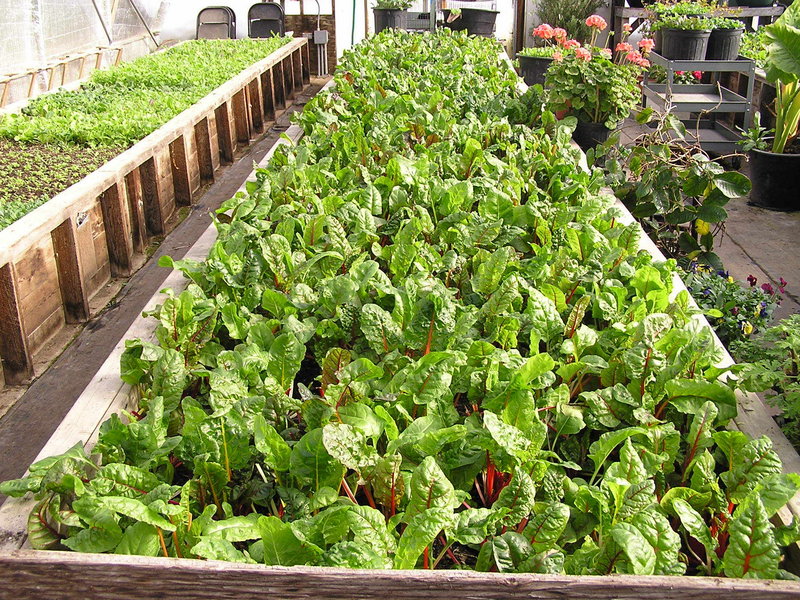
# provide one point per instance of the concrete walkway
(765, 244)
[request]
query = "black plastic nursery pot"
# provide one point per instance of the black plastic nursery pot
(774, 178)
(682, 44)
(533, 68)
(389, 18)
(475, 21)
(751, 3)
(589, 135)
(723, 44)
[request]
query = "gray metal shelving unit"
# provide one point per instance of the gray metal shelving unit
(707, 100)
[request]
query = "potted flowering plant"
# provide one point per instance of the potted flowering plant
(533, 62)
(774, 173)
(597, 86)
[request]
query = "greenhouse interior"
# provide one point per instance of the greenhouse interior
(362, 299)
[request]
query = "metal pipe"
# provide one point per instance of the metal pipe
(141, 18)
(102, 22)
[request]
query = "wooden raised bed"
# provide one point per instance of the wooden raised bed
(55, 259)
(33, 573)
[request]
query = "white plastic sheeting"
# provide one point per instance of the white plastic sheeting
(35, 32)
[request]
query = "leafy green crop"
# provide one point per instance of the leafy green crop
(122, 105)
(424, 339)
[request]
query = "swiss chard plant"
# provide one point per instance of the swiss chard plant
(424, 339)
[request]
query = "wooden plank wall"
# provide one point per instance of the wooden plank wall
(55, 259)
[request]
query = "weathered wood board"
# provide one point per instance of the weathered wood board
(66, 251)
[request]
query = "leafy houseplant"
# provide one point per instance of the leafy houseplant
(596, 86)
(774, 367)
(684, 38)
(673, 187)
(774, 173)
(390, 14)
(725, 39)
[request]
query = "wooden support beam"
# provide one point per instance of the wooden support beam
(180, 172)
(202, 140)
(14, 352)
(151, 196)
(118, 231)
(240, 117)
(224, 133)
(279, 85)
(256, 105)
(297, 69)
(70, 273)
(306, 60)
(288, 78)
(135, 195)
(268, 94)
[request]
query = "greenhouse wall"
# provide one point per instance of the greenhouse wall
(36, 32)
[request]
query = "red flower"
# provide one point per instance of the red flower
(559, 34)
(626, 27)
(571, 44)
(623, 47)
(752, 280)
(697, 74)
(583, 54)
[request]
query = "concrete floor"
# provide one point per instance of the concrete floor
(31, 420)
(765, 244)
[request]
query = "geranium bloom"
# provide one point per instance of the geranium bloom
(596, 22)
(571, 44)
(606, 52)
(543, 31)
(583, 54)
(626, 27)
(623, 47)
(697, 74)
(559, 34)
(646, 45)
(557, 56)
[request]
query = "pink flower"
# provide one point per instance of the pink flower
(697, 74)
(623, 47)
(679, 73)
(633, 57)
(557, 56)
(767, 288)
(583, 54)
(559, 34)
(626, 27)
(605, 52)
(543, 31)
(644, 63)
(646, 45)
(596, 22)
(571, 44)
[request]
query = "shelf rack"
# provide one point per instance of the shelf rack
(708, 100)
(638, 16)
